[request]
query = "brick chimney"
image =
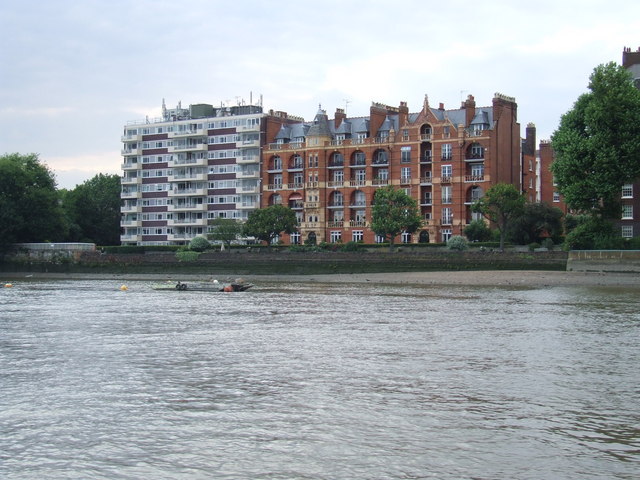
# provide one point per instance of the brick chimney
(339, 117)
(469, 106)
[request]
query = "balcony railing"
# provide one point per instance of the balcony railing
(357, 223)
(447, 220)
(474, 178)
(295, 185)
(405, 180)
(377, 182)
(425, 180)
(357, 183)
(445, 179)
(335, 224)
(335, 183)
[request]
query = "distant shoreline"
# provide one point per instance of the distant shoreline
(521, 278)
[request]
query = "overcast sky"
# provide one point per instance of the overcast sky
(73, 73)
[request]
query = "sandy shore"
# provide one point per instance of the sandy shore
(488, 278)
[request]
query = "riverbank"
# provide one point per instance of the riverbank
(520, 278)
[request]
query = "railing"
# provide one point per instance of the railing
(335, 224)
(445, 179)
(426, 159)
(296, 205)
(357, 223)
(358, 204)
(405, 180)
(295, 185)
(447, 199)
(427, 201)
(474, 178)
(311, 204)
(336, 164)
(376, 182)
(425, 137)
(446, 221)
(335, 183)
(357, 183)
(336, 205)
(274, 186)
(358, 163)
(425, 180)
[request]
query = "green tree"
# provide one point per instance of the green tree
(501, 204)
(597, 144)
(478, 231)
(394, 212)
(29, 203)
(266, 224)
(93, 210)
(537, 222)
(225, 230)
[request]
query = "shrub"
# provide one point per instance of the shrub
(457, 242)
(199, 244)
(533, 246)
(548, 244)
(593, 233)
(477, 231)
(350, 246)
(187, 256)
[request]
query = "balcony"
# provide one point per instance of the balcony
(248, 174)
(248, 159)
(426, 202)
(183, 147)
(130, 237)
(378, 182)
(177, 222)
(295, 186)
(447, 199)
(445, 156)
(405, 180)
(358, 205)
(188, 207)
(248, 143)
(357, 183)
(189, 132)
(426, 158)
(425, 137)
(473, 157)
(446, 221)
(274, 186)
(247, 205)
(187, 177)
(131, 209)
(130, 151)
(296, 205)
(336, 204)
(194, 192)
(426, 180)
(187, 162)
(248, 128)
(336, 164)
(336, 224)
(359, 163)
(474, 178)
(311, 204)
(130, 194)
(312, 184)
(445, 179)
(357, 223)
(130, 180)
(129, 166)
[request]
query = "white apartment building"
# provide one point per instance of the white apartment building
(187, 167)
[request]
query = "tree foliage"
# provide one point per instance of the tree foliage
(29, 206)
(537, 222)
(93, 210)
(394, 212)
(478, 231)
(597, 144)
(501, 204)
(266, 224)
(225, 230)
(199, 244)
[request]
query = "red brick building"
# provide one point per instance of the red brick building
(328, 170)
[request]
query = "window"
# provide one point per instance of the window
(446, 234)
(627, 190)
(446, 171)
(447, 216)
(627, 231)
(445, 132)
(335, 236)
(295, 238)
(446, 194)
(477, 169)
(556, 197)
(406, 237)
(359, 158)
(405, 155)
(627, 212)
(446, 151)
(405, 175)
(357, 235)
(379, 239)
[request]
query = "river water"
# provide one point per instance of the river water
(318, 381)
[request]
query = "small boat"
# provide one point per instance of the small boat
(203, 287)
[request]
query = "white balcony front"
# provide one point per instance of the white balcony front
(188, 177)
(184, 192)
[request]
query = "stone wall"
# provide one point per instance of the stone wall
(604, 261)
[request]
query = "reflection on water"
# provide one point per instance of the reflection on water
(318, 381)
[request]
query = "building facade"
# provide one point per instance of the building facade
(328, 170)
(188, 167)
